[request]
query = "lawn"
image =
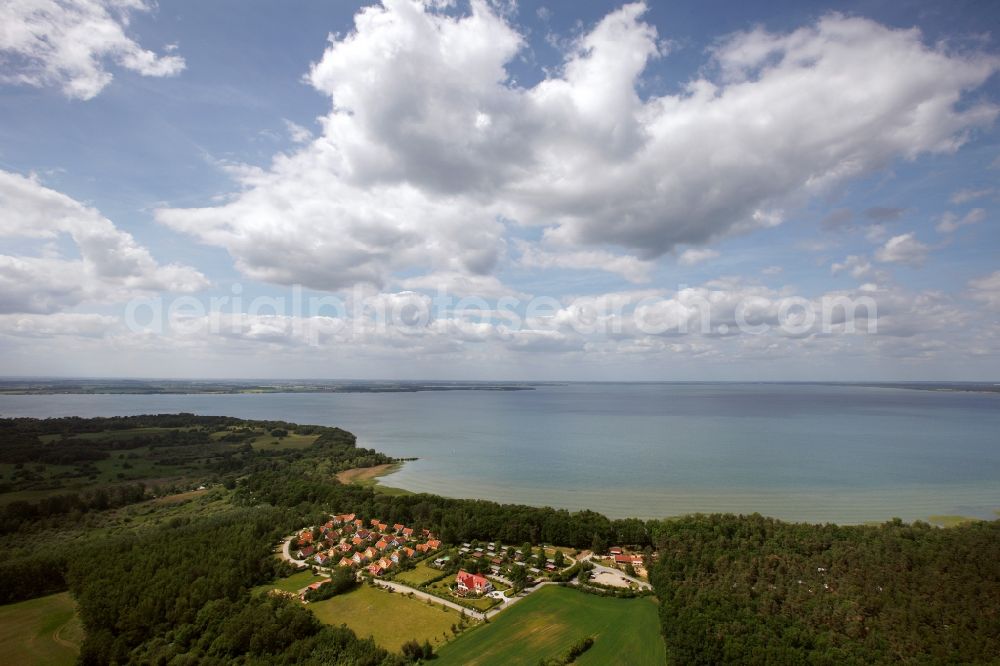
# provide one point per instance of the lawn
(549, 621)
(419, 575)
(40, 631)
(390, 618)
(292, 583)
(290, 441)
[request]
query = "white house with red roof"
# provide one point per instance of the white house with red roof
(472, 583)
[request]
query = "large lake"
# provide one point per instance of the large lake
(799, 452)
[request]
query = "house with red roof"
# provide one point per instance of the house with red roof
(382, 544)
(433, 544)
(407, 532)
(468, 583)
(628, 559)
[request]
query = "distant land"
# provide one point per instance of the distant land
(61, 386)
(174, 387)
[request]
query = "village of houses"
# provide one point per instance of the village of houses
(346, 541)
(379, 551)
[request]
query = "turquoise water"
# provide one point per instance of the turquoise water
(799, 452)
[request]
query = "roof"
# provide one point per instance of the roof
(628, 559)
(471, 580)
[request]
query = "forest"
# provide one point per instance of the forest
(731, 589)
(749, 589)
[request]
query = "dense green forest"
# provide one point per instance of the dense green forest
(162, 582)
(738, 589)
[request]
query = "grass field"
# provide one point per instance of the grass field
(292, 583)
(549, 621)
(419, 575)
(389, 617)
(40, 631)
(289, 441)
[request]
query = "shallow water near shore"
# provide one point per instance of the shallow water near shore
(807, 452)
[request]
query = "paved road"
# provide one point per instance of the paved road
(420, 594)
(287, 555)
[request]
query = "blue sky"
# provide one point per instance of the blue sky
(661, 191)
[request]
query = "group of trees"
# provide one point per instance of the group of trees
(16, 515)
(342, 579)
(184, 597)
(748, 589)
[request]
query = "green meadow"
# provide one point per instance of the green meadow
(548, 622)
(40, 631)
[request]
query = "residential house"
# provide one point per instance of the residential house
(468, 583)
(628, 559)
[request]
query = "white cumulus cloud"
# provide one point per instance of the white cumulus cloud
(111, 264)
(903, 249)
(430, 148)
(68, 43)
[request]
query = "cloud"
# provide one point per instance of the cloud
(839, 218)
(858, 267)
(903, 249)
(297, 133)
(67, 43)
(696, 256)
(111, 264)
(965, 196)
(950, 222)
(884, 213)
(461, 284)
(629, 267)
(986, 289)
(58, 324)
(431, 149)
